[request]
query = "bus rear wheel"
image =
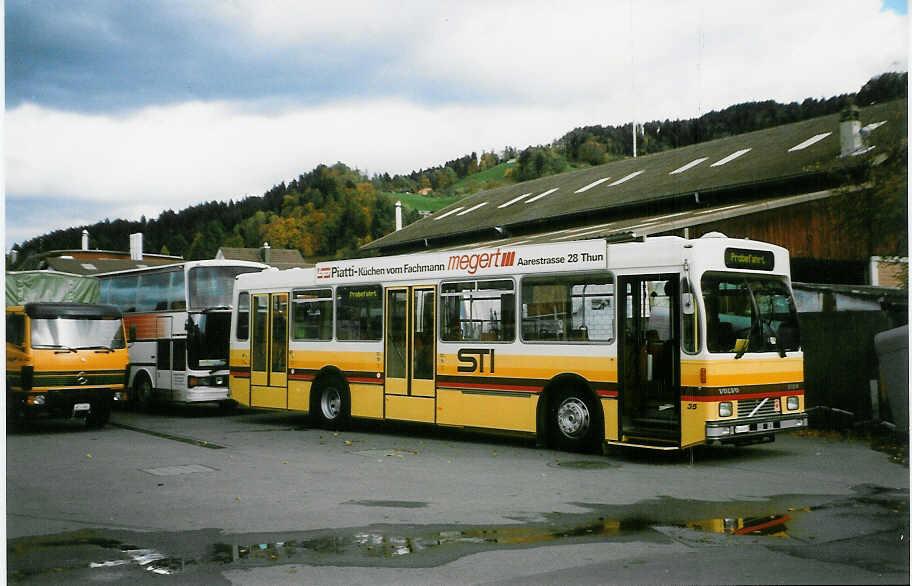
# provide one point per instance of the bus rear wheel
(330, 406)
(574, 422)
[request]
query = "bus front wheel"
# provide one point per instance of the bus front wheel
(143, 393)
(574, 422)
(331, 406)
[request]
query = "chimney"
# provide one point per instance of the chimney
(136, 246)
(267, 253)
(85, 239)
(398, 216)
(849, 131)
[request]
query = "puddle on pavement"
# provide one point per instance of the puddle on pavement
(210, 550)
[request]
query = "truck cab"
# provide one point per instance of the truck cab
(64, 360)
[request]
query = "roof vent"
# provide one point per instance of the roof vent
(850, 131)
(714, 235)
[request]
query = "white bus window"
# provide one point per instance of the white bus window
(154, 290)
(312, 314)
(478, 311)
(360, 313)
(575, 308)
(243, 317)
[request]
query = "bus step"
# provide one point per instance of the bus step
(653, 435)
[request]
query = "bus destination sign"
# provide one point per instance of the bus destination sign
(756, 260)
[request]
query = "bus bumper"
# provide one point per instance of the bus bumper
(747, 431)
(203, 394)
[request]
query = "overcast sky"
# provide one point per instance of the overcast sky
(117, 109)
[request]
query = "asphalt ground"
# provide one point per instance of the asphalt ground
(192, 495)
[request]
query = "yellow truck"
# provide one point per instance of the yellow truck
(65, 360)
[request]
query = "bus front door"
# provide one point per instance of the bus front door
(410, 393)
(649, 360)
(269, 351)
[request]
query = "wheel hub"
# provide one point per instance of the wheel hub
(331, 403)
(573, 417)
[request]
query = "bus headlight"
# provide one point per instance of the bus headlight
(197, 381)
(725, 409)
(791, 403)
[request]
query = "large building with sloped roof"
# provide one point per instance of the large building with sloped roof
(777, 185)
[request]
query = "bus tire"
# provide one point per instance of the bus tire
(331, 403)
(142, 391)
(575, 424)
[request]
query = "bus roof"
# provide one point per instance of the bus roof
(186, 264)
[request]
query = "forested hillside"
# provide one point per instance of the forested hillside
(331, 211)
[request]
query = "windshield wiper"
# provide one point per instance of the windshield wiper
(60, 349)
(105, 348)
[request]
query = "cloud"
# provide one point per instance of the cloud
(183, 154)
(676, 58)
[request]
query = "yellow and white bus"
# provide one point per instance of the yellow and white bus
(663, 342)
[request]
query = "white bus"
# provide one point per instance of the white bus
(664, 343)
(177, 319)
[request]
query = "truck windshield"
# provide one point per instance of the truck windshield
(207, 340)
(77, 333)
(749, 314)
(211, 287)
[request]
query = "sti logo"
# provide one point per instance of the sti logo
(323, 273)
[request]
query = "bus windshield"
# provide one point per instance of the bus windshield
(207, 340)
(78, 333)
(211, 287)
(748, 314)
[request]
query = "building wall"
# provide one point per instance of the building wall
(810, 230)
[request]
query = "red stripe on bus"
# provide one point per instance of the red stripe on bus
(488, 386)
(715, 399)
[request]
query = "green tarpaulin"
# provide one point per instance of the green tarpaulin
(28, 286)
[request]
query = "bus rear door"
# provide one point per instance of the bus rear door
(410, 392)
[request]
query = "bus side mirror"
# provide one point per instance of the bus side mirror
(131, 334)
(687, 303)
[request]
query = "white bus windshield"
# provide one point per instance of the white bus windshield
(748, 314)
(207, 340)
(77, 333)
(211, 287)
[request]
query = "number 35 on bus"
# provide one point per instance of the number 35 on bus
(661, 343)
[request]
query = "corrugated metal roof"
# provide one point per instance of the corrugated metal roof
(648, 224)
(784, 153)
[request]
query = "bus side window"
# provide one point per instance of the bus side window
(478, 311)
(690, 335)
(243, 317)
(359, 313)
(312, 314)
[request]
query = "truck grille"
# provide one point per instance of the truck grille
(768, 406)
